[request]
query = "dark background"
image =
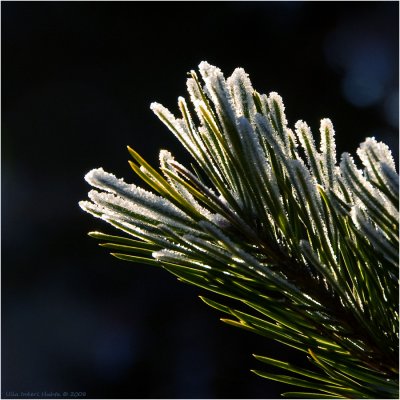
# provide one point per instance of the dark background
(77, 82)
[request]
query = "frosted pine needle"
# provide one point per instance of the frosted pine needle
(300, 249)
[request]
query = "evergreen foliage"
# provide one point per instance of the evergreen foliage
(307, 248)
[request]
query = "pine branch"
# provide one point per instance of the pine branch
(306, 249)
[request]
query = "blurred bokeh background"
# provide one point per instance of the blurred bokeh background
(77, 82)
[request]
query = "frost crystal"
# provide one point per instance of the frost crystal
(307, 141)
(216, 85)
(328, 151)
(106, 181)
(242, 93)
(277, 114)
(372, 151)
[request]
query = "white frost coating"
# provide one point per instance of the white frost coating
(258, 158)
(306, 140)
(291, 138)
(391, 178)
(307, 192)
(105, 181)
(186, 123)
(164, 156)
(202, 111)
(376, 236)
(173, 124)
(275, 100)
(356, 181)
(250, 142)
(176, 257)
(220, 164)
(264, 104)
(328, 151)
(218, 91)
(139, 216)
(207, 69)
(91, 208)
(381, 244)
(134, 213)
(197, 146)
(117, 220)
(379, 207)
(220, 221)
(198, 105)
(242, 93)
(270, 135)
(104, 207)
(296, 169)
(271, 178)
(141, 233)
(122, 222)
(169, 255)
(262, 125)
(277, 113)
(356, 215)
(193, 90)
(378, 151)
(188, 140)
(223, 200)
(204, 246)
(373, 156)
(114, 207)
(148, 173)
